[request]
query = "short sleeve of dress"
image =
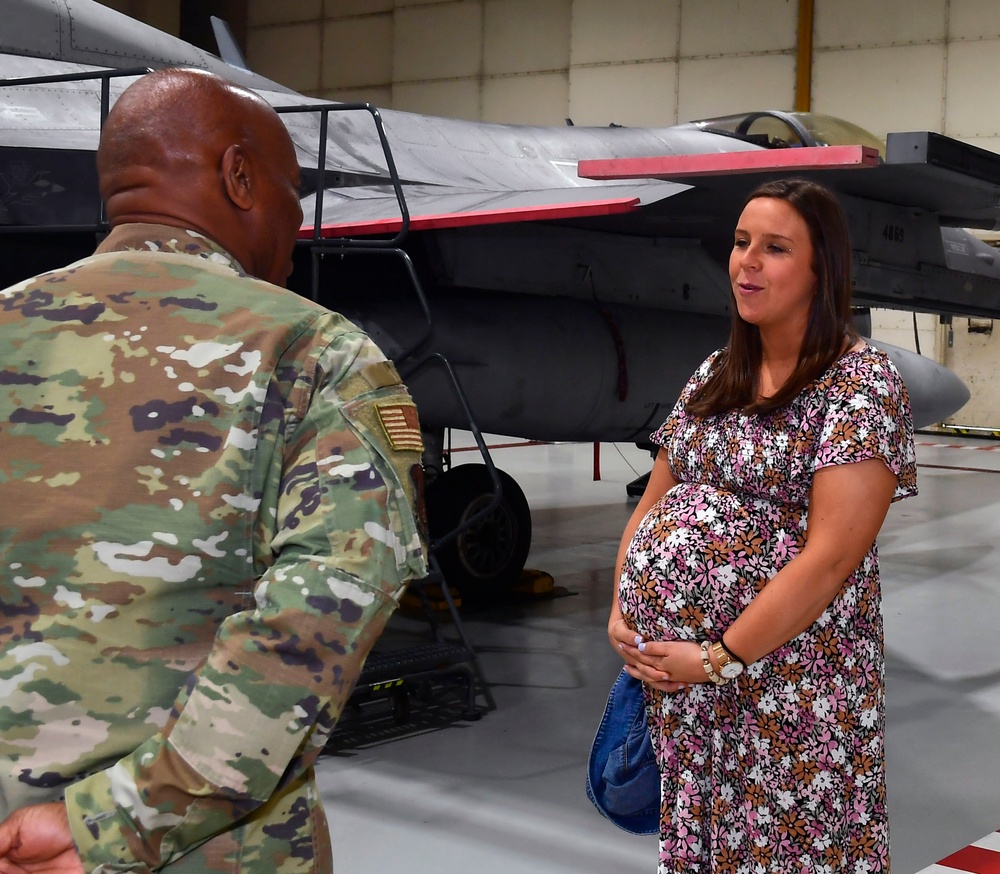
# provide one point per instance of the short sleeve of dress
(661, 436)
(867, 416)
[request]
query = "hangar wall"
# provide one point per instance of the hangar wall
(883, 64)
(886, 65)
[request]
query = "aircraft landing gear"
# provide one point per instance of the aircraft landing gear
(489, 556)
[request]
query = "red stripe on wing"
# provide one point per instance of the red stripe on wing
(724, 163)
(583, 209)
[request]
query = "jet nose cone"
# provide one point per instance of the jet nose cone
(935, 392)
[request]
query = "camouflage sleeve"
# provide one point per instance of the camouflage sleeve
(253, 718)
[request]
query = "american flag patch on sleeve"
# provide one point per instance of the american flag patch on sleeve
(401, 426)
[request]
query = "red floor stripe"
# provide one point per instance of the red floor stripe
(974, 859)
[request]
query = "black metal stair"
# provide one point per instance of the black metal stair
(395, 672)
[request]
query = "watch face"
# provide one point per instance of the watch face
(732, 670)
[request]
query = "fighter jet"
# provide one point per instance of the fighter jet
(569, 278)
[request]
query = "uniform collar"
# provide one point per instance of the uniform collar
(164, 238)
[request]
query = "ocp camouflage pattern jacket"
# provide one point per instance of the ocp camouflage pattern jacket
(208, 510)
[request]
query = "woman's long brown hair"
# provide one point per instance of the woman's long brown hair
(733, 383)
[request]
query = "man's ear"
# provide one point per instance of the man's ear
(236, 176)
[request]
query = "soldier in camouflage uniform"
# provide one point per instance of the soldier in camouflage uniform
(208, 511)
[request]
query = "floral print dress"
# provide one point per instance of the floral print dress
(782, 769)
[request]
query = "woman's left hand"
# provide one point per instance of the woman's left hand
(667, 665)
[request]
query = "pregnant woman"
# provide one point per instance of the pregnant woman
(747, 588)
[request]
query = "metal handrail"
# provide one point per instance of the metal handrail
(105, 77)
(324, 109)
(77, 77)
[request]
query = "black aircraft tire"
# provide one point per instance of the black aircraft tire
(488, 557)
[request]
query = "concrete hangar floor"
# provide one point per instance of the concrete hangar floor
(506, 793)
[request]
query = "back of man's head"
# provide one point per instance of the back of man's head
(188, 149)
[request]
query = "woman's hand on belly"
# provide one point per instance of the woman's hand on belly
(667, 665)
(619, 632)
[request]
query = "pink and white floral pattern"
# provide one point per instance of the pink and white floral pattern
(781, 770)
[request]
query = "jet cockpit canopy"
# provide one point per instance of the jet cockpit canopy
(780, 130)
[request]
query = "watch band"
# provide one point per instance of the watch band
(729, 668)
(730, 653)
(707, 664)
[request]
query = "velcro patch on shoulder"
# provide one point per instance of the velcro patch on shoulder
(401, 426)
(381, 374)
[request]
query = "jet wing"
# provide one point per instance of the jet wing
(374, 210)
(454, 173)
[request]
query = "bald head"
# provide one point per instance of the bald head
(188, 149)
